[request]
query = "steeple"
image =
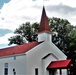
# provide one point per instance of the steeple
(44, 25)
(44, 29)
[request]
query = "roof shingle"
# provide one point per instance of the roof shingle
(18, 49)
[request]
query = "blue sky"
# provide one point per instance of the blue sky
(2, 2)
(15, 12)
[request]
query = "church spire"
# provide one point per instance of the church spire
(44, 29)
(44, 25)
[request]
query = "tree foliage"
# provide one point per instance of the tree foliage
(72, 45)
(72, 40)
(61, 29)
(25, 32)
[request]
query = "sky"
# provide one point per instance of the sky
(15, 12)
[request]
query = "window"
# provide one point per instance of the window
(6, 65)
(6, 71)
(36, 71)
(14, 72)
(5, 68)
(14, 57)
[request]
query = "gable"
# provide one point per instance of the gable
(48, 47)
(18, 49)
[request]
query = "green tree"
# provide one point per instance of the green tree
(25, 32)
(61, 29)
(72, 40)
(72, 44)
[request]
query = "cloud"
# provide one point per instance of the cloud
(63, 9)
(5, 31)
(5, 45)
(16, 12)
(71, 3)
(4, 39)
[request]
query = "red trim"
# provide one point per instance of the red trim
(18, 49)
(59, 64)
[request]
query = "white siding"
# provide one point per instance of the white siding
(44, 37)
(46, 62)
(34, 58)
(18, 64)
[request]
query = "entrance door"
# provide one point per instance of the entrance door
(52, 71)
(6, 71)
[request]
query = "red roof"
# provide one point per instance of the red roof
(18, 49)
(44, 25)
(59, 64)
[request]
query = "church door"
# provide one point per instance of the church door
(52, 71)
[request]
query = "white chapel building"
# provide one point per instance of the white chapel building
(40, 57)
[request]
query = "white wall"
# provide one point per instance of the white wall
(46, 62)
(64, 71)
(34, 57)
(44, 37)
(18, 65)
